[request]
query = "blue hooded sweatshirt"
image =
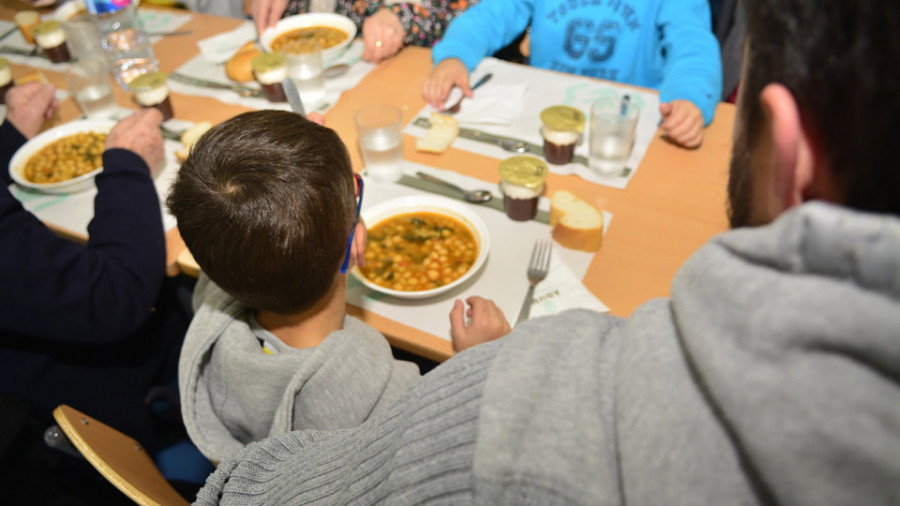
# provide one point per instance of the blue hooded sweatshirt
(667, 45)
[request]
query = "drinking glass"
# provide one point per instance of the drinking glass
(88, 81)
(306, 69)
(82, 36)
(380, 129)
(613, 125)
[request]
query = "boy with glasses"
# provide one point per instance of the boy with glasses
(268, 204)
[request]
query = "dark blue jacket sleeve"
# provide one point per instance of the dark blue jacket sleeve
(90, 293)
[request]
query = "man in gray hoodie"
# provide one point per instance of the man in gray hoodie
(771, 375)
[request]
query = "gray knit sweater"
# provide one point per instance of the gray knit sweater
(771, 376)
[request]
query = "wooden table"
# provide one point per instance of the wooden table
(673, 204)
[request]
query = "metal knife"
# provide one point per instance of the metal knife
(23, 52)
(293, 96)
(9, 32)
(244, 91)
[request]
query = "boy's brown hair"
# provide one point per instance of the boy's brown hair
(266, 202)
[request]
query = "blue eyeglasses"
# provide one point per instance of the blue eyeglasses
(359, 192)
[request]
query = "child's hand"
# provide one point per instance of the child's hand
(682, 123)
(358, 249)
(487, 323)
(447, 74)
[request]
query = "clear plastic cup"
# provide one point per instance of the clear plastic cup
(88, 81)
(306, 69)
(613, 125)
(380, 129)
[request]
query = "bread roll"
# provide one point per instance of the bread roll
(190, 137)
(238, 68)
(576, 224)
(440, 136)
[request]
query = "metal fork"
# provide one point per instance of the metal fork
(538, 267)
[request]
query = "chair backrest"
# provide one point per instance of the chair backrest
(119, 458)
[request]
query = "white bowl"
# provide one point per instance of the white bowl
(30, 148)
(429, 204)
(307, 20)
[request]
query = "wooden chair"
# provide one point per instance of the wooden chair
(119, 458)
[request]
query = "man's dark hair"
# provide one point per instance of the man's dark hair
(265, 202)
(839, 59)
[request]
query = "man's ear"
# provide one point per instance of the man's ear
(794, 171)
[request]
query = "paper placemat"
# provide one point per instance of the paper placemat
(545, 88)
(151, 20)
(503, 277)
(209, 66)
(75, 210)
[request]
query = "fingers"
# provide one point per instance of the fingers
(457, 324)
(665, 109)
(27, 106)
(486, 312)
(383, 35)
(358, 249)
(140, 133)
(487, 323)
(316, 118)
(683, 123)
(448, 73)
(266, 13)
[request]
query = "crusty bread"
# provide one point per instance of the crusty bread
(441, 135)
(238, 67)
(26, 21)
(576, 224)
(34, 77)
(190, 137)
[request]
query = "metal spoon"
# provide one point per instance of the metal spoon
(474, 196)
(514, 146)
(336, 71)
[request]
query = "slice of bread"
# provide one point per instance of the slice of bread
(190, 137)
(238, 67)
(576, 224)
(440, 136)
(26, 21)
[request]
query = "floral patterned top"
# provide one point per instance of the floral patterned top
(424, 21)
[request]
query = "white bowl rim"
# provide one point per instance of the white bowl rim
(306, 20)
(442, 205)
(36, 143)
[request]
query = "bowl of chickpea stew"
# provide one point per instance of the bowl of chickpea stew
(64, 159)
(333, 32)
(422, 246)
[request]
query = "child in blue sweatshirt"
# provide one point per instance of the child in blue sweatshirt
(663, 44)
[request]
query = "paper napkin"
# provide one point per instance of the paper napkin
(219, 48)
(560, 291)
(493, 104)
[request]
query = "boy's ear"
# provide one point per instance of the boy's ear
(795, 171)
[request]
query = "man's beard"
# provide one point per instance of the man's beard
(740, 184)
